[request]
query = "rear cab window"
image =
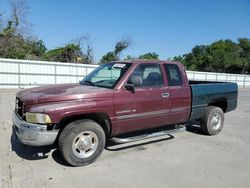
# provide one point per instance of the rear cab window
(174, 75)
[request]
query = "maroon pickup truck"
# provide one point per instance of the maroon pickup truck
(115, 99)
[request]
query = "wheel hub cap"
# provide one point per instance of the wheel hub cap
(216, 121)
(85, 144)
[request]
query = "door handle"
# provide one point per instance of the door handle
(165, 95)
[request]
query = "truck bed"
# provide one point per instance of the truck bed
(204, 93)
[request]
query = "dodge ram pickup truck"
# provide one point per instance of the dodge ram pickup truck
(114, 100)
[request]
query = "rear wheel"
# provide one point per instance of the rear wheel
(213, 120)
(82, 142)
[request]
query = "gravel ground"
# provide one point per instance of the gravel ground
(188, 159)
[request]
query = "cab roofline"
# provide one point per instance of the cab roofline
(135, 61)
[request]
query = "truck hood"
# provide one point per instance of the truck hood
(62, 92)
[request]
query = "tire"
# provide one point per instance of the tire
(213, 120)
(81, 142)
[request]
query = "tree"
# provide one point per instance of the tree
(110, 56)
(16, 41)
(220, 56)
(19, 17)
(178, 58)
(129, 57)
(68, 53)
(86, 56)
(77, 51)
(198, 59)
(14, 45)
(115, 55)
(1, 21)
(244, 44)
(224, 54)
(121, 46)
(149, 56)
(13, 42)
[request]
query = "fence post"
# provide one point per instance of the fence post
(216, 77)
(76, 74)
(244, 81)
(55, 74)
(206, 76)
(19, 75)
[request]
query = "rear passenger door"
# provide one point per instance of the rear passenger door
(179, 94)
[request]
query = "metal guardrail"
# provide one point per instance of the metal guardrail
(29, 73)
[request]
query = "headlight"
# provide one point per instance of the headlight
(37, 118)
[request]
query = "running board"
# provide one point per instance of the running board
(147, 136)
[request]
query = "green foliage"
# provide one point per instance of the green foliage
(15, 46)
(178, 58)
(39, 47)
(244, 44)
(14, 43)
(149, 56)
(129, 57)
(68, 53)
(220, 56)
(121, 46)
(110, 56)
(115, 55)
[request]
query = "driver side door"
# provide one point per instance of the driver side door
(145, 106)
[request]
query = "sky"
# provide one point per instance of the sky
(167, 27)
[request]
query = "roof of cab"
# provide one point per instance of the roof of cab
(148, 61)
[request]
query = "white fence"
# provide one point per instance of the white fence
(26, 73)
(241, 79)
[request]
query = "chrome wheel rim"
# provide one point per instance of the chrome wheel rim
(85, 144)
(216, 121)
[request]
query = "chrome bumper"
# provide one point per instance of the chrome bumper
(32, 134)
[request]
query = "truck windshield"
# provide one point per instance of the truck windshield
(106, 75)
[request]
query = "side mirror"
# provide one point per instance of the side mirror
(130, 87)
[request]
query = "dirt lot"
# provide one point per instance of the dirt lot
(188, 159)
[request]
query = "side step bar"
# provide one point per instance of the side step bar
(147, 136)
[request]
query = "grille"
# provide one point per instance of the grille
(19, 108)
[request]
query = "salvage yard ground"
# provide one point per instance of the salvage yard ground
(186, 159)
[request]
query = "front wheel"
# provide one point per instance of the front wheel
(82, 142)
(213, 120)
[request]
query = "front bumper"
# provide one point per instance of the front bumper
(32, 134)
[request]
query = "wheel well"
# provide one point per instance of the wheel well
(221, 103)
(101, 118)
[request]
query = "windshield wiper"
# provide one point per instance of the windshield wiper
(89, 82)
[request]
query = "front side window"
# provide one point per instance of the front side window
(147, 74)
(173, 74)
(106, 75)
